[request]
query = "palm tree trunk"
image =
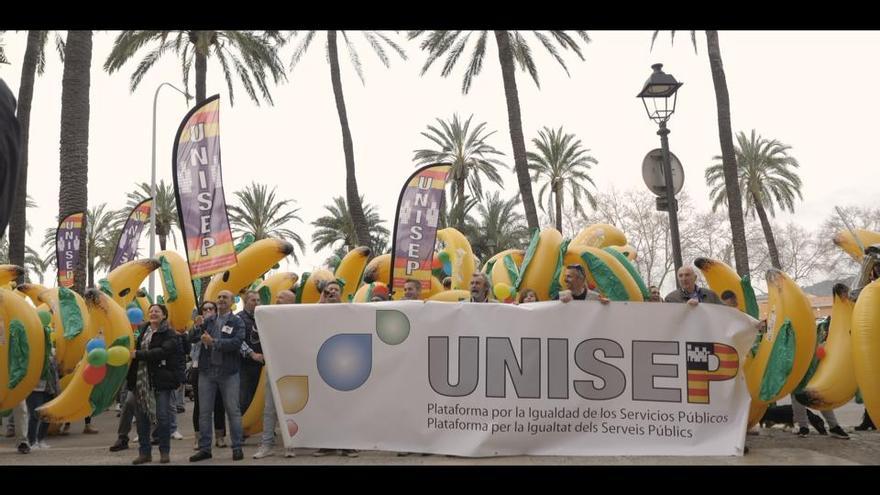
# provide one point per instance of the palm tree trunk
(728, 156)
(768, 234)
(18, 225)
(201, 74)
(91, 270)
(514, 121)
(74, 153)
(352, 196)
(459, 202)
(558, 196)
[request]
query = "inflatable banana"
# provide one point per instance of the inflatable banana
(378, 270)
(365, 293)
(866, 346)
(253, 261)
(631, 269)
(460, 255)
(179, 297)
(22, 348)
(604, 272)
(722, 277)
(110, 322)
(845, 240)
(787, 348)
(9, 273)
(123, 282)
(504, 267)
(628, 251)
(71, 324)
(540, 263)
(308, 292)
(454, 295)
(351, 269)
(143, 301)
(599, 235)
(834, 383)
(32, 291)
(72, 403)
(274, 284)
(252, 419)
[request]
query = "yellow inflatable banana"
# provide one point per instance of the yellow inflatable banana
(179, 297)
(351, 269)
(269, 288)
(253, 261)
(604, 272)
(460, 255)
(365, 293)
(72, 403)
(721, 277)
(9, 273)
(845, 240)
(123, 282)
(539, 265)
(378, 270)
(308, 292)
(252, 419)
(627, 250)
(496, 258)
(631, 269)
(22, 348)
(866, 346)
(142, 301)
(600, 235)
(454, 295)
(505, 266)
(834, 383)
(788, 346)
(71, 324)
(32, 291)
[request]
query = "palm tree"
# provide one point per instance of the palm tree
(376, 40)
(764, 172)
(34, 64)
(500, 226)
(512, 48)
(468, 153)
(262, 216)
(725, 134)
(165, 204)
(339, 226)
(73, 190)
(256, 53)
(564, 164)
(102, 229)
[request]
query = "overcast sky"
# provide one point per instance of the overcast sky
(810, 90)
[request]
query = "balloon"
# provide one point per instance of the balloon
(97, 357)
(443, 256)
(118, 355)
(135, 315)
(502, 291)
(94, 374)
(820, 352)
(45, 317)
(95, 343)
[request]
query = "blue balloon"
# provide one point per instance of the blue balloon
(95, 343)
(135, 315)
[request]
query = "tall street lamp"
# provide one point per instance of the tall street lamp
(153, 181)
(655, 95)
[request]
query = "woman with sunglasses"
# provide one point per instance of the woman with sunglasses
(208, 308)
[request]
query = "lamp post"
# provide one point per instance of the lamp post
(153, 181)
(655, 96)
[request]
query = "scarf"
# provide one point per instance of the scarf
(144, 393)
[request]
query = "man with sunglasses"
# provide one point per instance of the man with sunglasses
(219, 365)
(576, 287)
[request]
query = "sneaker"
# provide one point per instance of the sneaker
(803, 431)
(220, 442)
(142, 459)
(263, 452)
(323, 452)
(237, 455)
(90, 430)
(200, 456)
(350, 452)
(43, 444)
(24, 448)
(837, 432)
(289, 452)
(35, 446)
(176, 435)
(121, 444)
(135, 439)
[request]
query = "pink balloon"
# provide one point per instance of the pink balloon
(94, 374)
(292, 427)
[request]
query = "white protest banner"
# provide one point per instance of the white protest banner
(547, 378)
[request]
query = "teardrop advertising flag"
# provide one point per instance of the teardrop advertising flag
(68, 246)
(127, 245)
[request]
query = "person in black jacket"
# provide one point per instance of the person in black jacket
(251, 352)
(153, 369)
